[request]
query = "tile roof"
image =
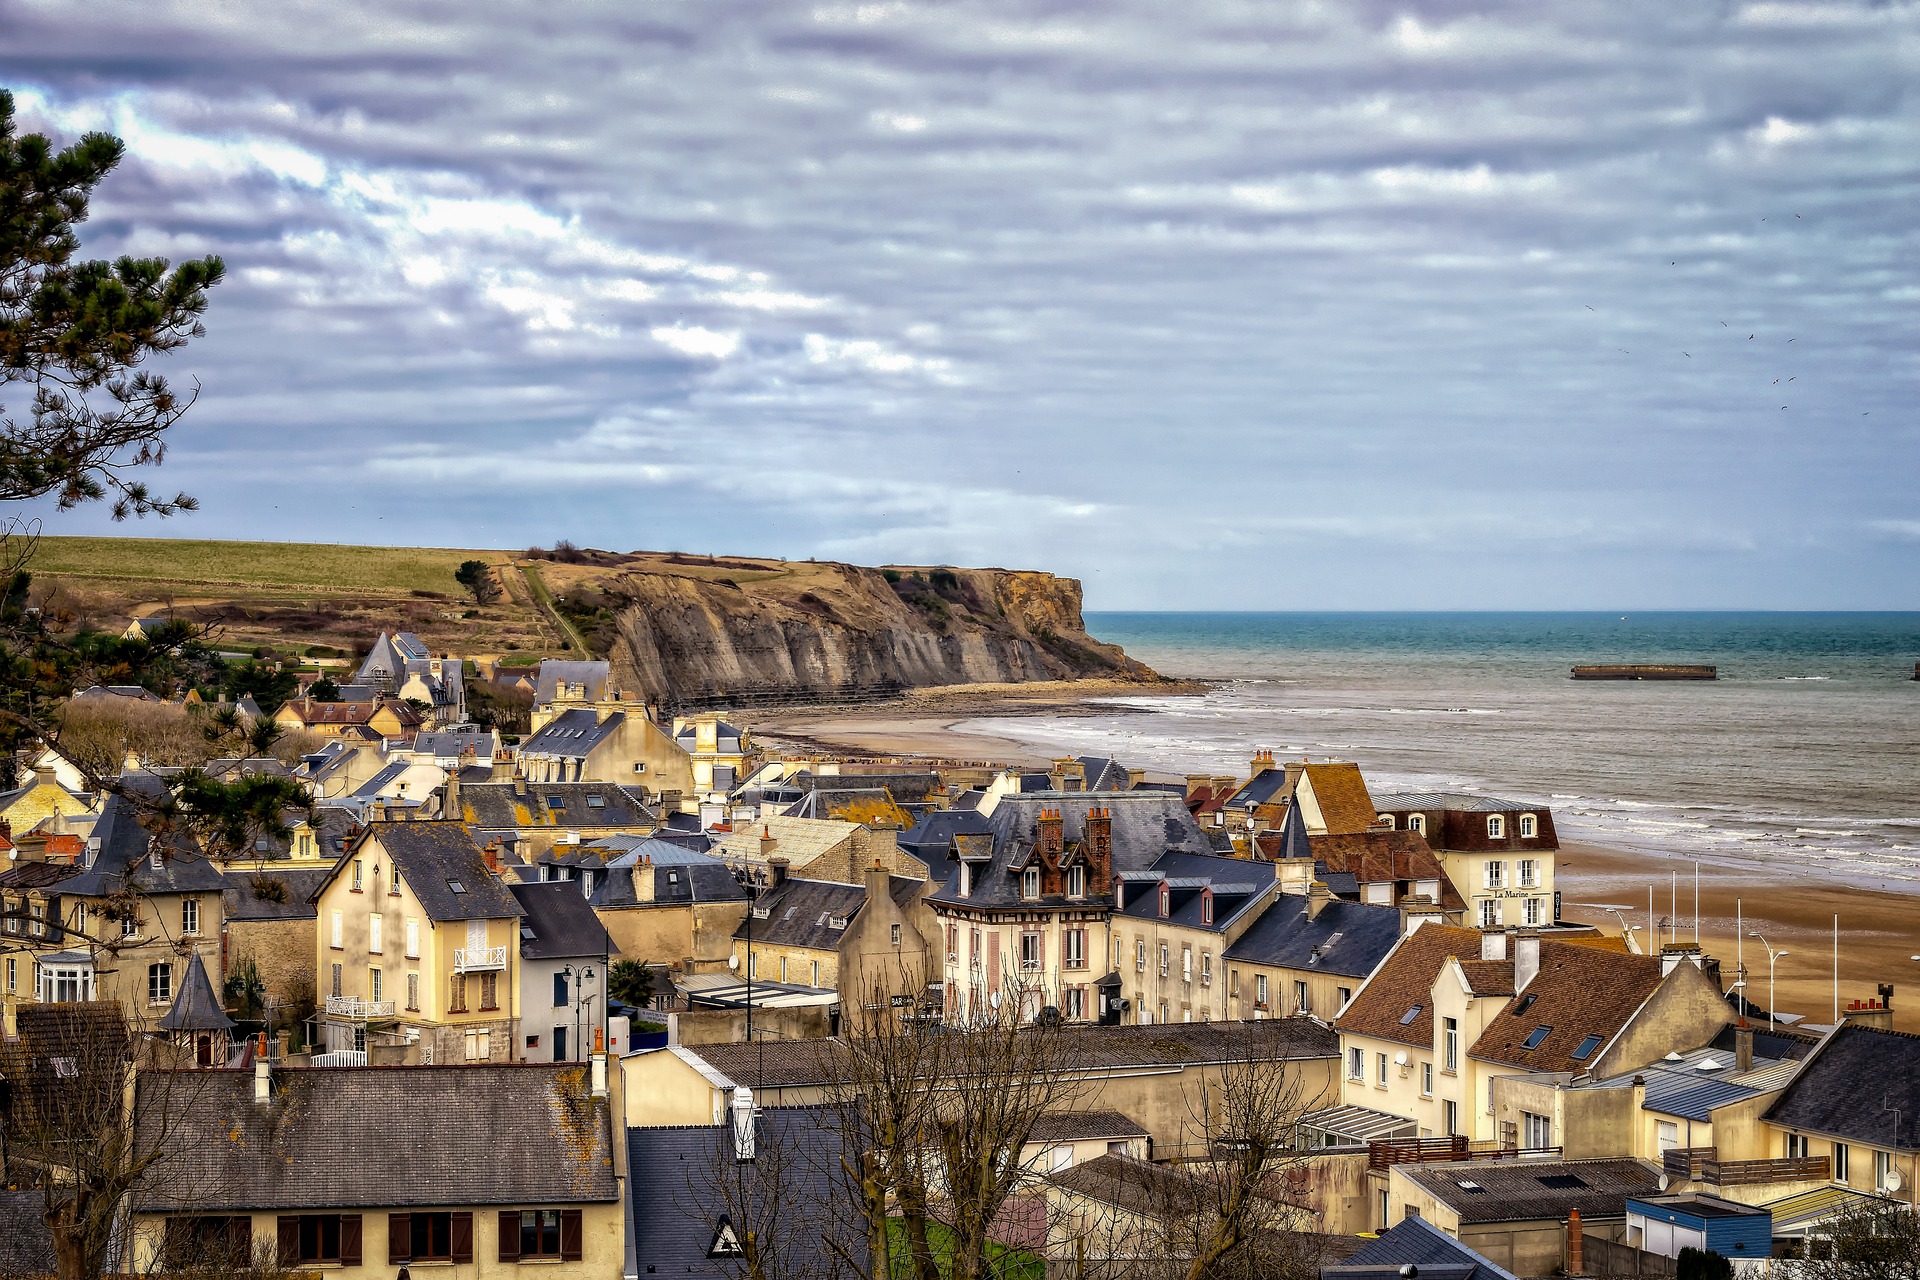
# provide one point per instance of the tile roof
(1862, 1085)
(26, 1244)
(1348, 938)
(311, 713)
(1415, 1241)
(243, 902)
(1579, 992)
(559, 924)
(1341, 793)
(1083, 1126)
(379, 1137)
(1374, 856)
(433, 857)
(1532, 1190)
(1404, 980)
(798, 840)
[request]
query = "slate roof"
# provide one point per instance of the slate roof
(1236, 885)
(1263, 788)
(26, 1245)
(36, 875)
(572, 734)
(931, 839)
(123, 858)
(455, 742)
(1579, 992)
(243, 904)
(432, 858)
(553, 672)
(1405, 979)
(497, 806)
(368, 1137)
(1532, 1190)
(1084, 1126)
(1105, 774)
(559, 924)
(800, 912)
(1688, 1088)
(1349, 938)
(1430, 801)
(1861, 1085)
(790, 1195)
(1147, 825)
(195, 1008)
(1418, 1242)
(681, 876)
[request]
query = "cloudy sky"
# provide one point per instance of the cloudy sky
(1211, 304)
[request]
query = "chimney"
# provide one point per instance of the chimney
(519, 783)
(1318, 895)
(879, 882)
(44, 776)
(491, 854)
(1262, 761)
(1576, 1245)
(1743, 1047)
(1052, 834)
(262, 1081)
(767, 844)
(777, 867)
(1493, 945)
(1526, 959)
(598, 1064)
(1098, 839)
(1294, 874)
(451, 805)
(1195, 781)
(742, 1125)
(501, 767)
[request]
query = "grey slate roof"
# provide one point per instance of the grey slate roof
(554, 672)
(123, 858)
(196, 1008)
(455, 741)
(800, 912)
(26, 1246)
(1862, 1085)
(1349, 938)
(1415, 1240)
(1529, 1190)
(1082, 1126)
(559, 924)
(1236, 884)
(434, 857)
(380, 1137)
(674, 1206)
(243, 904)
(572, 734)
(1259, 789)
(681, 875)
(554, 804)
(1105, 774)
(1688, 1089)
(1429, 801)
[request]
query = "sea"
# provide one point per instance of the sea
(1805, 751)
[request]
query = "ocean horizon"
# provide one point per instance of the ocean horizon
(1804, 753)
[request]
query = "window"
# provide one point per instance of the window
(559, 990)
(1233, 983)
(783, 968)
(1496, 827)
(1300, 997)
(1530, 911)
(489, 985)
(1489, 913)
(1260, 989)
(1166, 960)
(429, 1237)
(539, 1233)
(1536, 1037)
(1030, 950)
(1076, 1002)
(1450, 1045)
(1882, 1166)
(893, 935)
(373, 934)
(375, 985)
(159, 983)
(1356, 1064)
(318, 1238)
(1529, 827)
(413, 992)
(1076, 882)
(1667, 1135)
(1417, 822)
(1796, 1146)
(1186, 964)
(456, 993)
(479, 1046)
(80, 917)
(1206, 968)
(596, 802)
(1140, 954)
(1076, 949)
(13, 974)
(1529, 873)
(1166, 900)
(357, 875)
(413, 938)
(1536, 1131)
(1030, 883)
(130, 925)
(1384, 821)
(953, 942)
(189, 916)
(1206, 908)
(1586, 1048)
(1840, 1162)
(753, 964)
(337, 976)
(1426, 1079)
(38, 925)
(813, 973)
(393, 888)
(338, 938)
(1380, 1070)
(1450, 1116)
(1345, 994)
(1496, 873)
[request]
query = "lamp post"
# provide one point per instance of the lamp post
(577, 990)
(1773, 958)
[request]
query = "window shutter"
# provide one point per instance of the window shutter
(399, 1237)
(461, 1236)
(289, 1228)
(509, 1235)
(349, 1239)
(570, 1235)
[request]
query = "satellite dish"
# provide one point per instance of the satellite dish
(1663, 1182)
(1892, 1182)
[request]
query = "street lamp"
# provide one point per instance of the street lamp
(1773, 957)
(577, 985)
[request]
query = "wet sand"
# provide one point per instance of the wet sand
(1878, 931)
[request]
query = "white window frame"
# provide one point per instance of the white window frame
(1076, 882)
(1380, 1069)
(1536, 1131)
(1259, 988)
(1034, 942)
(1530, 911)
(337, 935)
(1417, 822)
(1496, 827)
(1494, 873)
(160, 982)
(1076, 949)
(1426, 1079)
(1030, 883)
(1529, 870)
(1529, 826)
(1356, 1064)
(1489, 913)
(189, 917)
(374, 939)
(1140, 954)
(413, 938)
(1450, 1044)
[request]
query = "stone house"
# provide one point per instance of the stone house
(663, 903)
(527, 817)
(1171, 928)
(418, 946)
(1499, 854)
(876, 938)
(612, 742)
(815, 849)
(368, 721)
(564, 956)
(397, 1167)
(270, 917)
(1306, 954)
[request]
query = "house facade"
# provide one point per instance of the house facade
(867, 941)
(1171, 928)
(1499, 854)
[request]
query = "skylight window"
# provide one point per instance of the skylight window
(1526, 1003)
(1538, 1038)
(1561, 1181)
(596, 802)
(1474, 1187)
(456, 886)
(1406, 1019)
(1586, 1048)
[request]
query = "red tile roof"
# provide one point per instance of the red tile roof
(1405, 979)
(1580, 991)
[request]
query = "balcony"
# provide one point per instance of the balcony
(355, 1007)
(1702, 1164)
(475, 959)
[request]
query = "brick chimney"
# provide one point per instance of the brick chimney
(491, 855)
(768, 843)
(1262, 761)
(1099, 845)
(1576, 1245)
(1052, 834)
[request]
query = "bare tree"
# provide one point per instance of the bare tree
(1873, 1239)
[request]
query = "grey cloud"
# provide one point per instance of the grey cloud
(1166, 297)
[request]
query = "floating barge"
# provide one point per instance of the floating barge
(1647, 671)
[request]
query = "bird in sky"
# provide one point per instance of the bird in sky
(1687, 354)
(1589, 308)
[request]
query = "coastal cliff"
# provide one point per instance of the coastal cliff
(686, 632)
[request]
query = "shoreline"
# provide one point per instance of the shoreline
(1879, 929)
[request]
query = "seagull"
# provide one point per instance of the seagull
(1724, 325)
(1793, 339)
(1687, 354)
(1776, 382)
(1794, 376)
(1796, 215)
(1588, 308)
(1749, 337)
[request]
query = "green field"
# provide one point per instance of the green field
(189, 562)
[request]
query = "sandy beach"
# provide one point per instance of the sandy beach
(1878, 931)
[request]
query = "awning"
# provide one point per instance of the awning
(734, 993)
(1359, 1125)
(1800, 1215)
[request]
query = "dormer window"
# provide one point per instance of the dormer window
(1166, 901)
(1496, 828)
(1206, 908)
(1417, 822)
(1529, 826)
(1076, 882)
(1030, 883)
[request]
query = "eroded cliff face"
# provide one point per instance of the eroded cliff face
(771, 630)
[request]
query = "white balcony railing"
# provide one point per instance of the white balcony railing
(341, 1058)
(470, 959)
(355, 1007)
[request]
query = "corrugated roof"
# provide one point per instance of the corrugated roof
(1360, 1124)
(1532, 1190)
(1415, 1241)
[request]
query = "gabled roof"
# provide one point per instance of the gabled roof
(1348, 938)
(1084, 1126)
(681, 876)
(1861, 1085)
(1147, 825)
(378, 1137)
(1579, 992)
(559, 924)
(1417, 1242)
(573, 734)
(1434, 801)
(1235, 884)
(245, 903)
(1265, 787)
(1376, 856)
(499, 806)
(800, 913)
(195, 1008)
(799, 840)
(1534, 1190)
(443, 866)
(125, 858)
(1341, 793)
(331, 714)
(1404, 984)
(864, 805)
(555, 672)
